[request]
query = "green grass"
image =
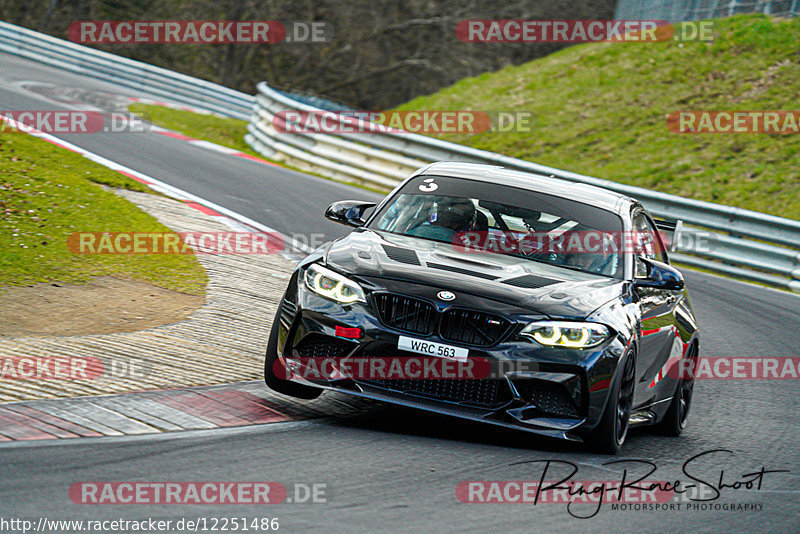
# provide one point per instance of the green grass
(600, 109)
(48, 193)
(220, 130)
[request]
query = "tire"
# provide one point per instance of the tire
(611, 432)
(675, 419)
(276, 383)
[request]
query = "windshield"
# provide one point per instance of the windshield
(487, 218)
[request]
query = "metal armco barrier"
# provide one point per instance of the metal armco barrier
(154, 81)
(734, 241)
(742, 243)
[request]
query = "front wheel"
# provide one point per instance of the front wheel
(610, 434)
(276, 383)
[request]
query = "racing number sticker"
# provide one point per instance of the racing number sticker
(428, 185)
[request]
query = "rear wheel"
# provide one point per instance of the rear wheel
(275, 382)
(675, 419)
(610, 434)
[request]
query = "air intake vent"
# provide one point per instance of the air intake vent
(459, 270)
(402, 255)
(317, 345)
(530, 281)
(490, 393)
(288, 311)
(549, 398)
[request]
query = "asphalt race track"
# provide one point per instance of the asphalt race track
(391, 469)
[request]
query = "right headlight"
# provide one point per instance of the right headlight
(567, 334)
(332, 285)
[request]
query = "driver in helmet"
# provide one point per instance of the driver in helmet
(449, 216)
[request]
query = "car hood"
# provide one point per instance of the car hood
(532, 286)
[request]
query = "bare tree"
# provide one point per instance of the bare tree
(382, 52)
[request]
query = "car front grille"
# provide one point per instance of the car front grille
(406, 313)
(472, 327)
(488, 393)
(416, 316)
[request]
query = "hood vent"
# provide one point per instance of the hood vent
(530, 281)
(459, 270)
(402, 255)
(461, 259)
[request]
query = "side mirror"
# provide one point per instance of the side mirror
(348, 212)
(652, 273)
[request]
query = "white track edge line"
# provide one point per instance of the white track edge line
(160, 186)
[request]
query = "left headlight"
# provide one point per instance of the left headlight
(573, 335)
(332, 285)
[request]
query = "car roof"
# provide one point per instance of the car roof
(584, 193)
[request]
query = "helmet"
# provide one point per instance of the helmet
(454, 213)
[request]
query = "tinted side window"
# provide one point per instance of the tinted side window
(647, 241)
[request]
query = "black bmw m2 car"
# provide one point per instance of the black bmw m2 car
(498, 296)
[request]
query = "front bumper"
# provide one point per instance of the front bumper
(553, 392)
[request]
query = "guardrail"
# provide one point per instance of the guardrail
(738, 242)
(144, 78)
(743, 243)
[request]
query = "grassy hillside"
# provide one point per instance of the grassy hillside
(600, 109)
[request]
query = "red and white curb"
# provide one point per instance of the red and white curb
(151, 411)
(191, 140)
(208, 145)
(148, 412)
(171, 105)
(232, 219)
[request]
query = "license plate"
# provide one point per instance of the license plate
(431, 348)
